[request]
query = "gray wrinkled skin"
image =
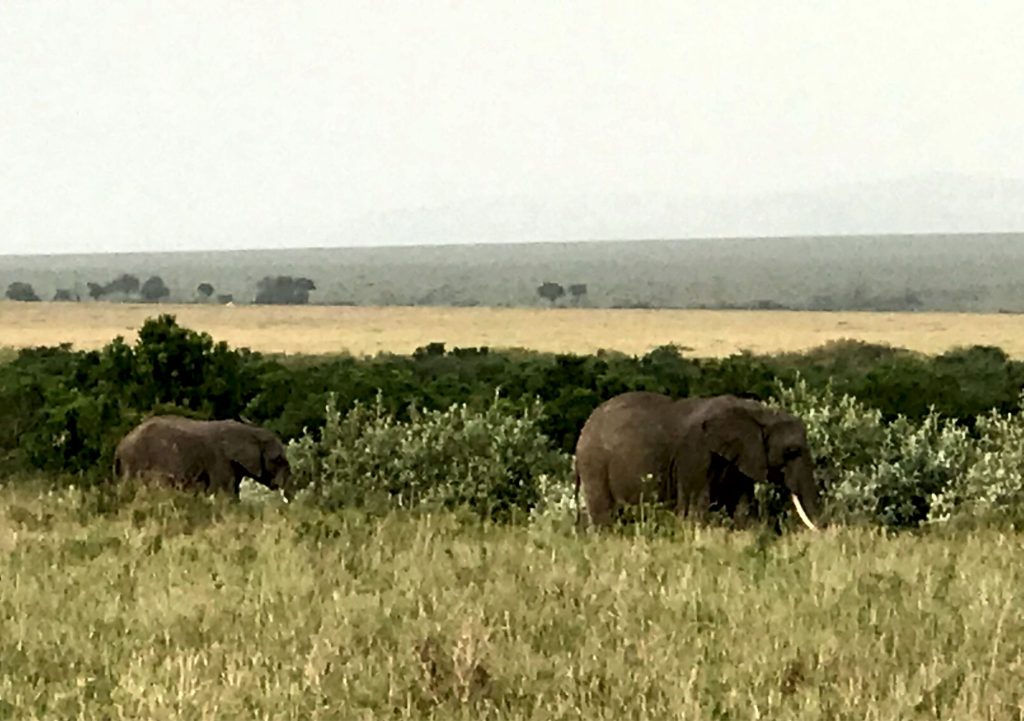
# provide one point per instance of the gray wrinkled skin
(211, 456)
(696, 454)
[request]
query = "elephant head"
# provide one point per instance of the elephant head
(255, 452)
(764, 445)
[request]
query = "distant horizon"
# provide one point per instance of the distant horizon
(981, 272)
(505, 243)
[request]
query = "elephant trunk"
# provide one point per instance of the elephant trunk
(283, 481)
(803, 489)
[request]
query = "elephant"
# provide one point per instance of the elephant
(212, 456)
(697, 454)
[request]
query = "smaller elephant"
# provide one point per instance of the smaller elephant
(212, 456)
(699, 455)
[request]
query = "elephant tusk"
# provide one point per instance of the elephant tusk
(800, 512)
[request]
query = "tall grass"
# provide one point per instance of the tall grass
(167, 607)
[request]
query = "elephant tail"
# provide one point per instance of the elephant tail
(576, 495)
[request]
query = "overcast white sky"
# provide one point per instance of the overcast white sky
(132, 125)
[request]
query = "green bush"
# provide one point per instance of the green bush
(496, 460)
(844, 435)
(993, 482)
(961, 383)
(900, 438)
(916, 462)
(875, 471)
(493, 461)
(71, 407)
(906, 473)
(27, 383)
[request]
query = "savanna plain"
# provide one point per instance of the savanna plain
(366, 330)
(124, 604)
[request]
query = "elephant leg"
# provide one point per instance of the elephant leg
(600, 505)
(693, 485)
(696, 505)
(742, 513)
(598, 498)
(223, 478)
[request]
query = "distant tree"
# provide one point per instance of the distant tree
(436, 348)
(822, 302)
(912, 299)
(283, 290)
(65, 295)
(225, 298)
(21, 291)
(125, 284)
(550, 291)
(768, 304)
(205, 290)
(577, 291)
(154, 290)
(274, 290)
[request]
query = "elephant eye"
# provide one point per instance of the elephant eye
(791, 453)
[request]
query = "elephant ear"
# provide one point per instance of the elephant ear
(247, 453)
(736, 435)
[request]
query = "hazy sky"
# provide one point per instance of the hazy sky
(133, 125)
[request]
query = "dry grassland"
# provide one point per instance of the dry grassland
(367, 330)
(168, 607)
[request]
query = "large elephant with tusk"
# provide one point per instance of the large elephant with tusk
(699, 455)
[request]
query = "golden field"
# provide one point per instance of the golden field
(367, 330)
